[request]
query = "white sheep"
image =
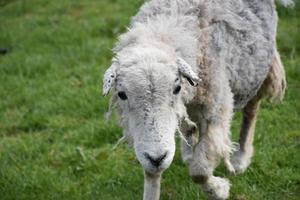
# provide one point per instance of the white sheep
(185, 66)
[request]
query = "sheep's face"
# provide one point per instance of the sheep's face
(150, 100)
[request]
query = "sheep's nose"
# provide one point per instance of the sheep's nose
(157, 160)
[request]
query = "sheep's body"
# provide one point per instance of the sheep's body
(240, 36)
(231, 46)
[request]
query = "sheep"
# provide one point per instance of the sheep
(185, 66)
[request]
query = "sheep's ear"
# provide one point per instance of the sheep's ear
(109, 79)
(187, 72)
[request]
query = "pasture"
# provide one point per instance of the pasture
(55, 142)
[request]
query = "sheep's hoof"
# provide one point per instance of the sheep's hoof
(241, 160)
(217, 188)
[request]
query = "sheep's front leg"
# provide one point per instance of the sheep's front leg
(214, 145)
(151, 186)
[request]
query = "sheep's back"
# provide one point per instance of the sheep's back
(244, 39)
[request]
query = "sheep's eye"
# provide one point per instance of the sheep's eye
(177, 89)
(122, 95)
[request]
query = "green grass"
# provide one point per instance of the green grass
(54, 140)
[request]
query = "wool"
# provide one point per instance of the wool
(219, 54)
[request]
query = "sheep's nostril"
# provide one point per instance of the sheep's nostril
(156, 161)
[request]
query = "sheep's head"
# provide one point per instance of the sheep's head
(150, 87)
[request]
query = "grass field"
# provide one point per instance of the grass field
(54, 140)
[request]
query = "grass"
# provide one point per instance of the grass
(54, 140)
